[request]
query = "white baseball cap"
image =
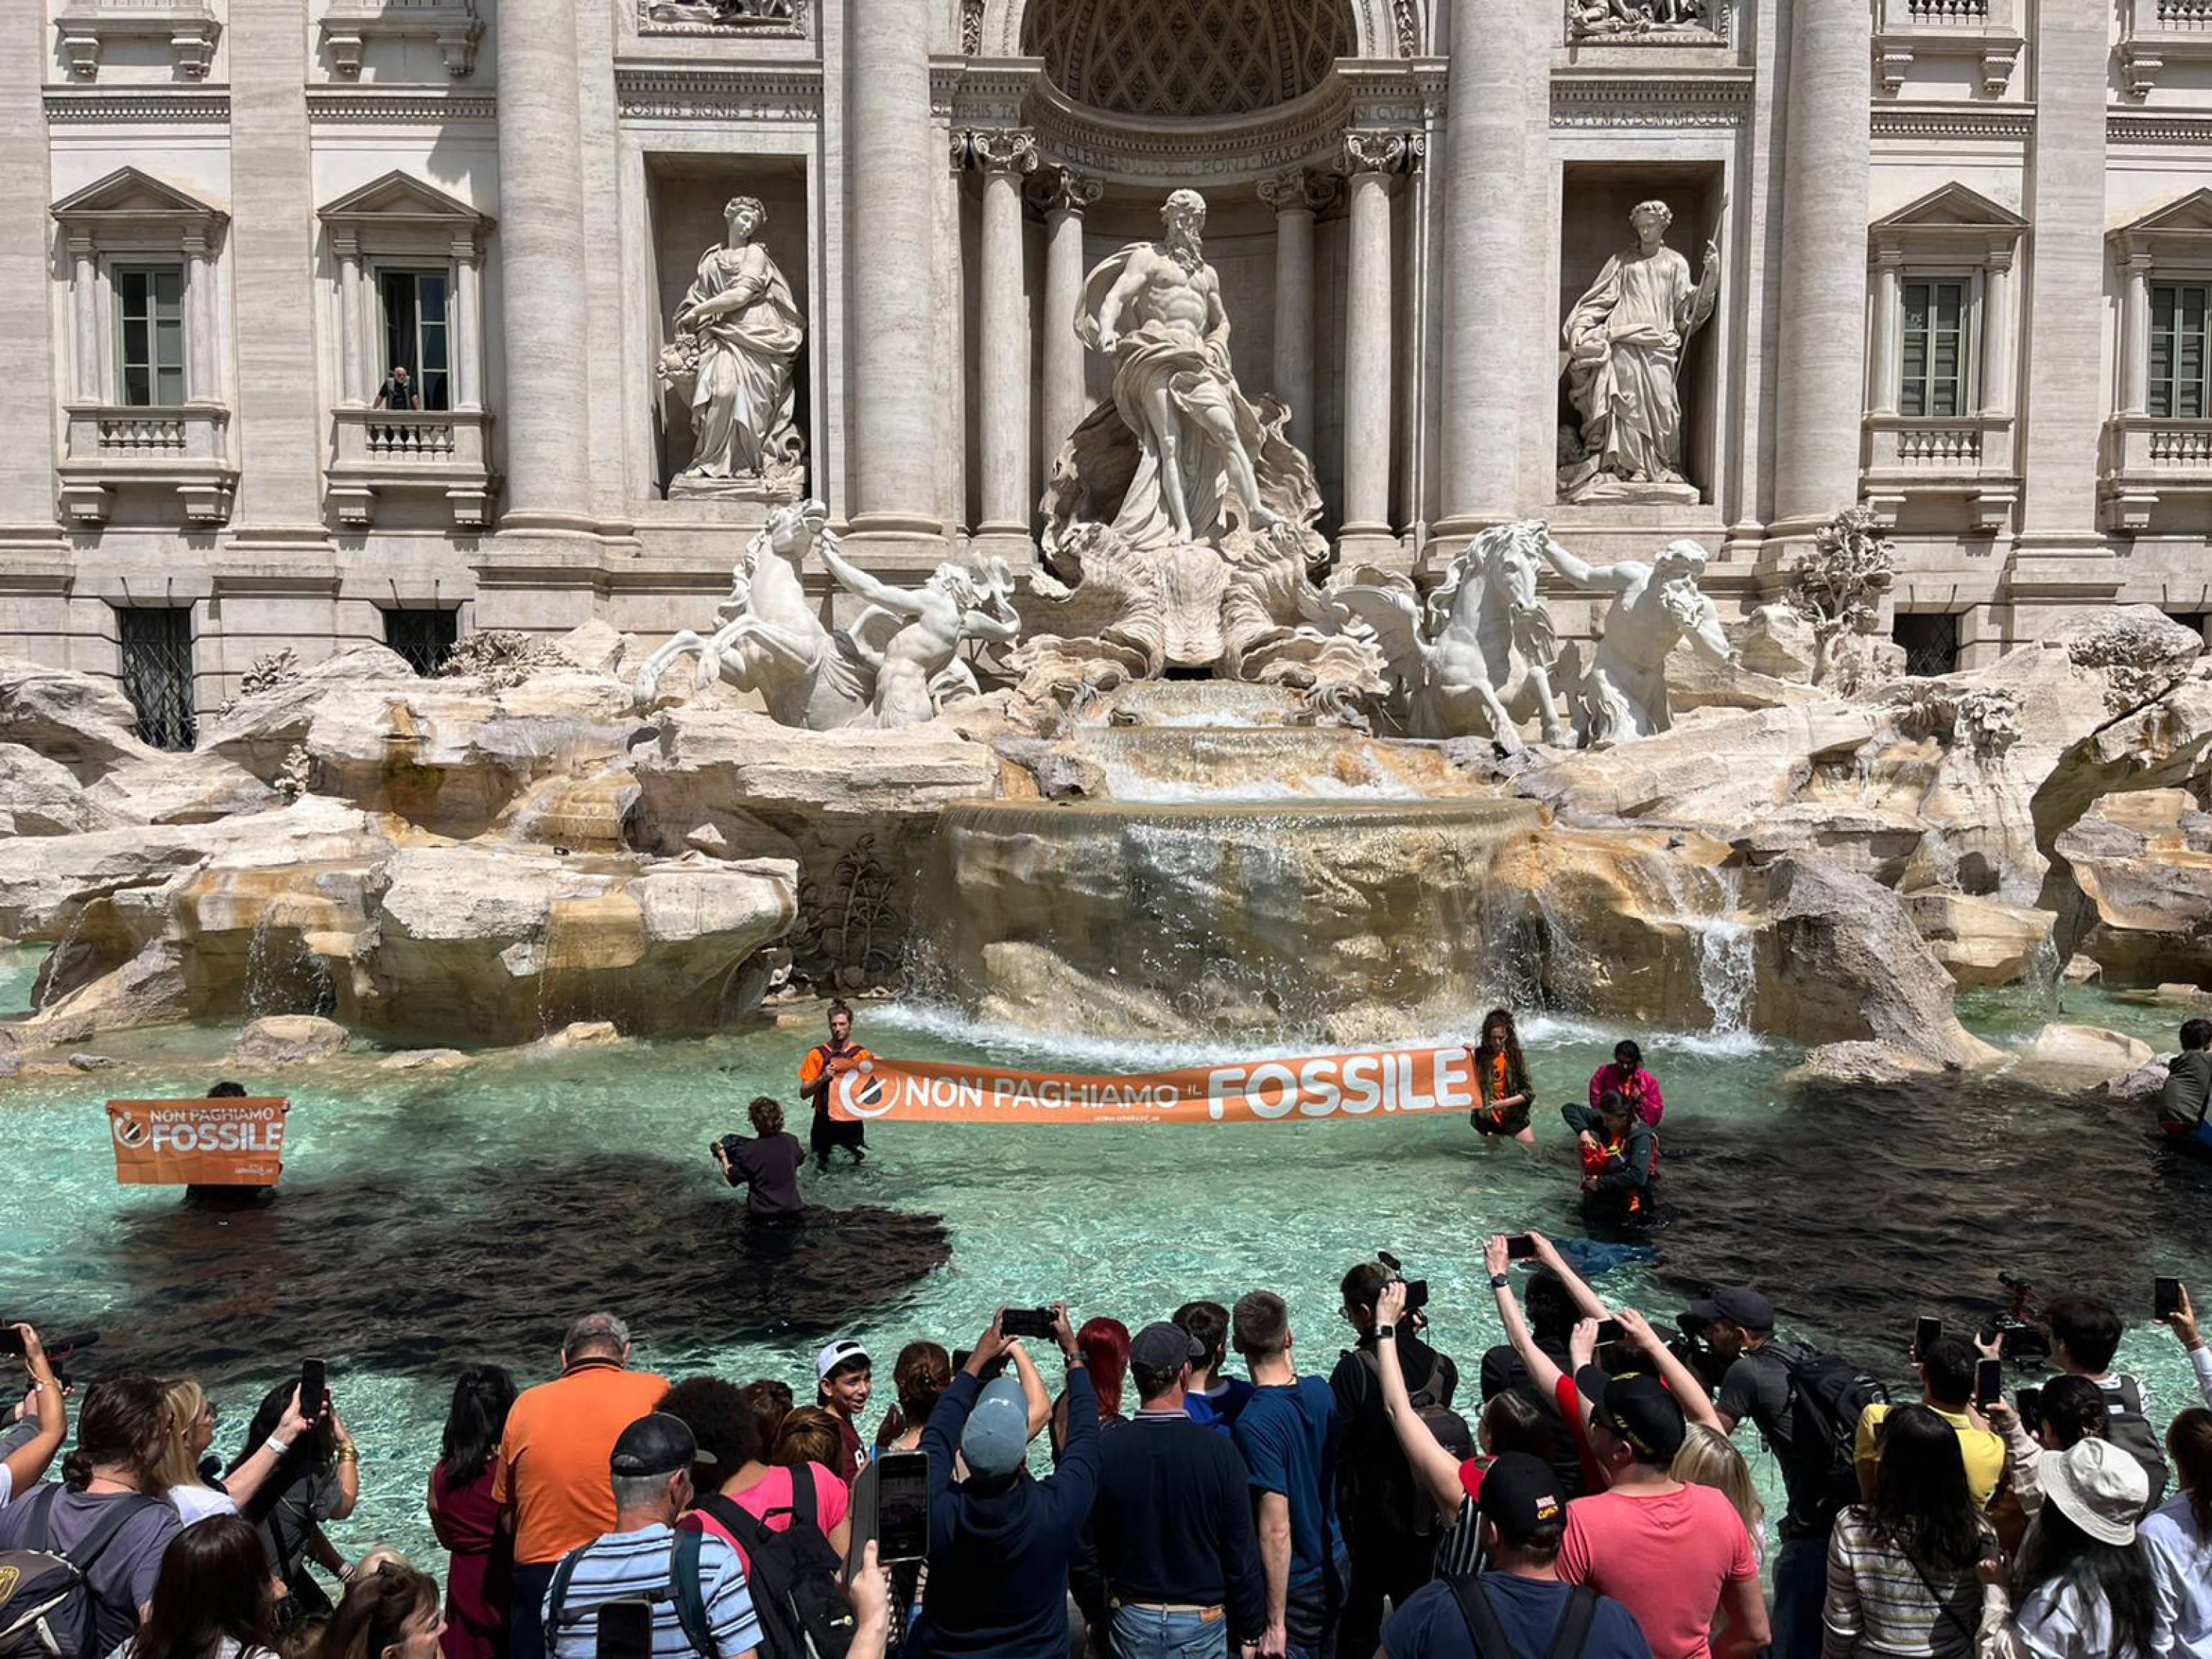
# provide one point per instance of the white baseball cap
(836, 1355)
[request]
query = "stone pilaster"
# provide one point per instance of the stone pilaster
(28, 524)
(1296, 197)
(2059, 550)
(1820, 373)
(1004, 157)
(1062, 196)
(1500, 54)
(1368, 161)
(282, 443)
(891, 180)
(541, 261)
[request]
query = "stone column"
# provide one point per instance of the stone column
(1500, 51)
(1368, 159)
(2060, 552)
(1821, 359)
(1888, 330)
(542, 273)
(465, 339)
(1996, 335)
(1295, 197)
(2135, 337)
(890, 187)
(84, 310)
(27, 458)
(281, 428)
(1062, 196)
(1004, 158)
(352, 393)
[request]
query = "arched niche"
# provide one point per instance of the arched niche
(1371, 28)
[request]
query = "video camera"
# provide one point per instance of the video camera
(1417, 1289)
(2018, 1331)
(1690, 1347)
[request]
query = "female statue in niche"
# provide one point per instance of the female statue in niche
(1625, 340)
(737, 333)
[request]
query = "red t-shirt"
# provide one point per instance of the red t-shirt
(1569, 1401)
(1665, 1558)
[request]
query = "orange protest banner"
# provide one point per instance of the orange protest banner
(1412, 1080)
(213, 1143)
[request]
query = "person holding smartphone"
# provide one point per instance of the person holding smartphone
(25, 1464)
(316, 1478)
(1946, 1371)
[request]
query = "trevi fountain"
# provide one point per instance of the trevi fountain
(518, 939)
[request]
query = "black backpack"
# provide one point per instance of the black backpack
(1396, 1494)
(1827, 1394)
(1491, 1641)
(682, 1589)
(793, 1575)
(48, 1608)
(2126, 1427)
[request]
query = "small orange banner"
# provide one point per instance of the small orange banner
(1240, 1091)
(212, 1143)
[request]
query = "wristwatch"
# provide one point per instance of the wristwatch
(1386, 1331)
(1500, 1281)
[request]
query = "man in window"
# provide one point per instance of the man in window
(397, 391)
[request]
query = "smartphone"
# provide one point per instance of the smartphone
(11, 1342)
(1989, 1382)
(1417, 1295)
(1519, 1247)
(2028, 1403)
(1924, 1332)
(1608, 1331)
(1026, 1323)
(625, 1630)
(314, 1389)
(902, 1506)
(2165, 1298)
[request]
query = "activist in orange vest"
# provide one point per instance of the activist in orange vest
(824, 1064)
(1620, 1161)
(1501, 1076)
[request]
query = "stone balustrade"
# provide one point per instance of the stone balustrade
(434, 451)
(2156, 34)
(1989, 31)
(85, 26)
(110, 447)
(1966, 457)
(2150, 458)
(349, 25)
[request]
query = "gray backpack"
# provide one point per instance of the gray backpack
(48, 1608)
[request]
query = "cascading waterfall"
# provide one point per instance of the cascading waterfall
(1727, 974)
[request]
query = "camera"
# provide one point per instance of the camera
(1417, 1289)
(2018, 1331)
(1690, 1348)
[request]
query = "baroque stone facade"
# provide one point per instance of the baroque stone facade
(1963, 283)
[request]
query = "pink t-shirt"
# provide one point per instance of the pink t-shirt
(1664, 1558)
(769, 1502)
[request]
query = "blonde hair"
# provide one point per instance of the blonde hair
(1709, 1458)
(184, 1400)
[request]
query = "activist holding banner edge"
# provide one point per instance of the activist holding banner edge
(228, 1143)
(1319, 1087)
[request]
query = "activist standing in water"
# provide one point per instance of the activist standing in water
(824, 1064)
(1501, 1080)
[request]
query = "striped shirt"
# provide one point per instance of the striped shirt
(1459, 1548)
(1881, 1603)
(633, 1566)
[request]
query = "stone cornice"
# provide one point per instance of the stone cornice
(2012, 123)
(778, 95)
(2133, 127)
(355, 105)
(1722, 100)
(134, 104)
(1303, 132)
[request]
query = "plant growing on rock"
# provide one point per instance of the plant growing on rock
(269, 670)
(1985, 720)
(501, 657)
(2145, 657)
(1838, 583)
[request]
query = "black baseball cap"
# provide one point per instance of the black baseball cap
(1637, 1408)
(657, 1443)
(1520, 1494)
(1739, 1304)
(1164, 1348)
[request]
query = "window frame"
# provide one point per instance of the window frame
(1958, 646)
(119, 325)
(413, 270)
(2179, 284)
(1972, 279)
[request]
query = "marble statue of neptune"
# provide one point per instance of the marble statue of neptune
(1155, 307)
(738, 331)
(1625, 339)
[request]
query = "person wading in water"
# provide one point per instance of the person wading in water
(818, 1074)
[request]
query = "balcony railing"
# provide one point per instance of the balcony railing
(453, 26)
(1906, 31)
(86, 27)
(1965, 13)
(377, 452)
(2154, 458)
(1965, 458)
(2157, 34)
(112, 447)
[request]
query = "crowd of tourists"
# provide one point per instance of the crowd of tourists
(1181, 1491)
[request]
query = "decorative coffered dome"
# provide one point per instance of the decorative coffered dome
(1186, 58)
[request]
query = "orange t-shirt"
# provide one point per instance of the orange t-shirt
(552, 1465)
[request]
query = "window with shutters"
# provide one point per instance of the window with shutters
(157, 672)
(2176, 387)
(149, 328)
(1933, 380)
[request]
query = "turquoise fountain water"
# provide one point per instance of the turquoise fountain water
(428, 1222)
